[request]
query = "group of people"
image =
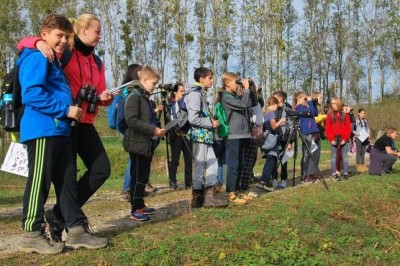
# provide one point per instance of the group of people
(57, 69)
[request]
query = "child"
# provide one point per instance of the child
(236, 110)
(141, 120)
(45, 129)
(309, 129)
(270, 125)
(361, 126)
(338, 129)
(202, 135)
(283, 137)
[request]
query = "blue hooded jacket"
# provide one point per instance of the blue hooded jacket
(46, 95)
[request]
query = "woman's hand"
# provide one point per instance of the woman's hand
(105, 96)
(46, 50)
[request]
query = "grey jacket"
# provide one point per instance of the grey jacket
(137, 138)
(197, 108)
(238, 114)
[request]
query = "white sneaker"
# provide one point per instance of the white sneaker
(282, 184)
(274, 183)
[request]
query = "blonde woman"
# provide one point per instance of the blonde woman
(85, 74)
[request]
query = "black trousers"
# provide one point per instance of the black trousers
(140, 173)
(50, 160)
(178, 144)
(284, 173)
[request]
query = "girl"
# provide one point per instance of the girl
(270, 125)
(178, 141)
(308, 127)
(338, 130)
(361, 138)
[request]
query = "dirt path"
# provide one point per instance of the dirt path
(169, 204)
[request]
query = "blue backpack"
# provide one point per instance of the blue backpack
(115, 112)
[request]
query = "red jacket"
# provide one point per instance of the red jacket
(337, 124)
(79, 73)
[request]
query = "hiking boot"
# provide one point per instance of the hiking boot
(265, 186)
(197, 198)
(140, 215)
(56, 224)
(126, 196)
(211, 200)
(39, 242)
(79, 237)
(234, 199)
(149, 188)
(173, 185)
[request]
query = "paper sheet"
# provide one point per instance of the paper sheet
(16, 160)
(171, 124)
(288, 154)
(363, 135)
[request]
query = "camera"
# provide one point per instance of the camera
(168, 87)
(337, 139)
(87, 93)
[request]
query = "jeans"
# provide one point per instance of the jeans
(343, 153)
(360, 151)
(127, 180)
(269, 168)
(234, 162)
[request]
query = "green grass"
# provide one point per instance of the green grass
(355, 222)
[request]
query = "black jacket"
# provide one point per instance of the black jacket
(137, 138)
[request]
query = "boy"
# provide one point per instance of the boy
(236, 110)
(202, 135)
(142, 127)
(45, 129)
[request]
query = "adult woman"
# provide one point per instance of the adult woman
(338, 130)
(384, 153)
(308, 127)
(361, 137)
(178, 141)
(82, 72)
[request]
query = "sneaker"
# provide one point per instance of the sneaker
(81, 236)
(345, 176)
(307, 180)
(336, 177)
(148, 211)
(265, 186)
(139, 215)
(274, 183)
(56, 224)
(253, 194)
(39, 242)
(282, 184)
(234, 199)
